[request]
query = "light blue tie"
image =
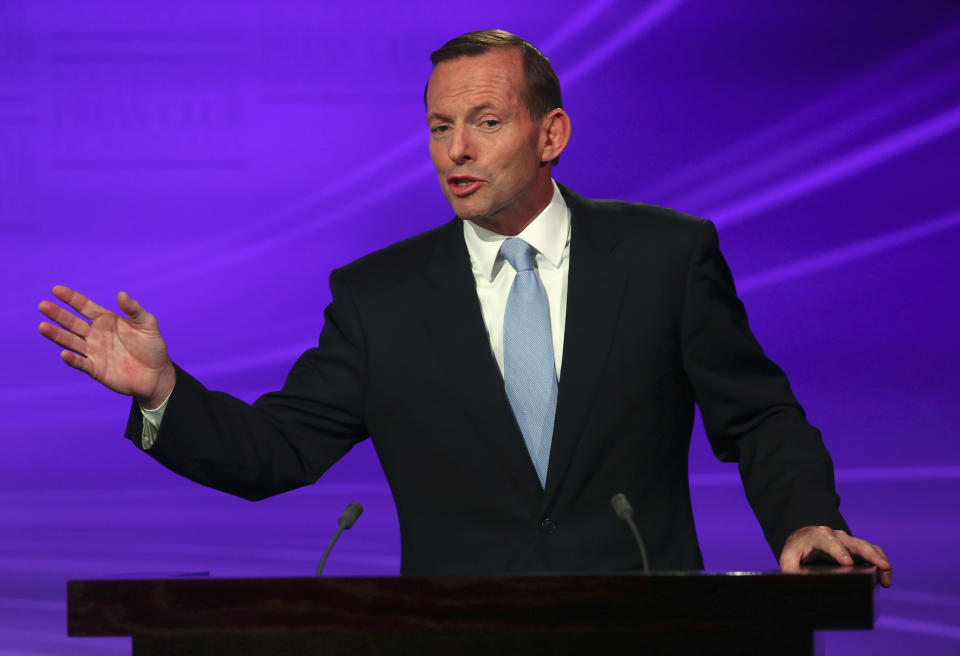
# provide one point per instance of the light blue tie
(528, 364)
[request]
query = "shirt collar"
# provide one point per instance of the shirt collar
(548, 233)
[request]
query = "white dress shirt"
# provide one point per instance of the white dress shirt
(548, 233)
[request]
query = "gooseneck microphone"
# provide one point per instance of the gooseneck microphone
(625, 512)
(347, 520)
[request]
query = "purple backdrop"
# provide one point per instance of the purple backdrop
(218, 159)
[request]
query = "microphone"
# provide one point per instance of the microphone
(347, 519)
(625, 512)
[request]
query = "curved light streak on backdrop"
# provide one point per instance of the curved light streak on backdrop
(845, 254)
(816, 142)
(889, 80)
(836, 170)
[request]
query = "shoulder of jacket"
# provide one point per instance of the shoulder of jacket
(398, 259)
(637, 218)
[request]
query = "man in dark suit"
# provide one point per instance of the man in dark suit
(515, 367)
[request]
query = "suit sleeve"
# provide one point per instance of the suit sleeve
(286, 439)
(750, 414)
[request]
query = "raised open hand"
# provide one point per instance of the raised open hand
(127, 355)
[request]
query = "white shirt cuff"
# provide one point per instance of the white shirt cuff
(151, 422)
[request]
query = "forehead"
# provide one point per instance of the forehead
(495, 77)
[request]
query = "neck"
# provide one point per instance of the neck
(511, 221)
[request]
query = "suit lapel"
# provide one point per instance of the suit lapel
(454, 322)
(594, 295)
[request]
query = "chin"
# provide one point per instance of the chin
(483, 218)
(469, 213)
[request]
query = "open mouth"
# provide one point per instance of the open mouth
(463, 185)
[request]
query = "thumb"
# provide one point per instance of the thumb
(790, 559)
(132, 308)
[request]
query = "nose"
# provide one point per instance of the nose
(460, 147)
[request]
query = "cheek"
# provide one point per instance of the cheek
(511, 159)
(526, 152)
(438, 154)
(523, 165)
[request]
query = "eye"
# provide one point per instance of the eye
(439, 129)
(490, 123)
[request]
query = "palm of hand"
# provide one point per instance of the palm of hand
(127, 355)
(124, 356)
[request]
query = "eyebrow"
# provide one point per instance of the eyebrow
(473, 112)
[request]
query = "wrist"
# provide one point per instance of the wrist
(165, 383)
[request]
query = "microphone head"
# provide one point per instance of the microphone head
(350, 515)
(621, 506)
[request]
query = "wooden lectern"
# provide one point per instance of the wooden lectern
(590, 615)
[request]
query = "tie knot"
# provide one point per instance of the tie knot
(518, 253)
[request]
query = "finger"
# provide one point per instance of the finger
(77, 361)
(827, 542)
(132, 308)
(886, 577)
(790, 560)
(62, 337)
(78, 302)
(865, 550)
(68, 320)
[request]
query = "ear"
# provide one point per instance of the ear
(554, 134)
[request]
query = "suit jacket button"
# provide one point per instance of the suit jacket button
(548, 526)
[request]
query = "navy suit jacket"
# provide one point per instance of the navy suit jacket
(653, 327)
